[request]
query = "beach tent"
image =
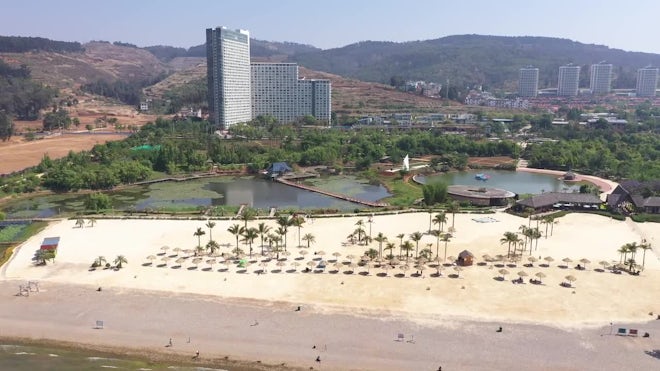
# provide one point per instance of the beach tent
(465, 258)
(50, 243)
(242, 263)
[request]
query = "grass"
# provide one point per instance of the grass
(26, 231)
(403, 194)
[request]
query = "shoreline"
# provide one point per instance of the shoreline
(606, 186)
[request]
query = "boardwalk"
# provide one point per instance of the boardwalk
(331, 194)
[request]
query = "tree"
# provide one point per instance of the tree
(97, 202)
(199, 233)
(249, 235)
(247, 215)
(440, 219)
(644, 246)
(453, 208)
(210, 225)
(371, 253)
(309, 238)
(56, 120)
(212, 246)
(509, 238)
(6, 126)
(407, 246)
(80, 222)
(91, 222)
(360, 229)
(236, 230)
(380, 238)
(120, 260)
(400, 236)
(390, 246)
(623, 251)
(416, 236)
(437, 233)
(284, 223)
(263, 230)
(297, 221)
(446, 238)
(41, 256)
(99, 262)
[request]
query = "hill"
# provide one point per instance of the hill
(469, 60)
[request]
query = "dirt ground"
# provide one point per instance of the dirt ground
(490, 161)
(18, 155)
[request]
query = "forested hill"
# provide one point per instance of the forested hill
(19, 44)
(467, 60)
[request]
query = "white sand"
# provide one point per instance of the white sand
(475, 295)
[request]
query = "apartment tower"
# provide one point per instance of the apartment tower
(647, 81)
(528, 82)
(228, 74)
(601, 78)
(569, 80)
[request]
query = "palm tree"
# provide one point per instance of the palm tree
(370, 220)
(80, 222)
(284, 223)
(213, 246)
(236, 230)
(453, 208)
(120, 260)
(524, 230)
(263, 230)
(509, 238)
(644, 246)
(276, 239)
(247, 215)
(446, 238)
(426, 253)
(297, 221)
(440, 219)
(632, 248)
(416, 236)
(309, 238)
(535, 234)
(199, 233)
(371, 253)
(436, 233)
(99, 262)
(623, 250)
(390, 246)
(281, 231)
(249, 235)
(360, 229)
(407, 246)
(380, 238)
(210, 225)
(552, 224)
(91, 222)
(547, 220)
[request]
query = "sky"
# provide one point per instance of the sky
(628, 25)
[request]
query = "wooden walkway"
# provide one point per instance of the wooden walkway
(331, 194)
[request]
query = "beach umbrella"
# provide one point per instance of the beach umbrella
(486, 258)
(320, 253)
(420, 267)
(368, 265)
(395, 261)
(337, 266)
(365, 258)
(421, 260)
(164, 248)
(303, 252)
(165, 259)
(215, 255)
(451, 259)
(379, 260)
(295, 265)
(503, 272)
(151, 258)
(567, 260)
(181, 260)
(532, 260)
(604, 263)
(286, 254)
(522, 274)
(280, 264)
(336, 255)
(350, 257)
(227, 262)
(570, 279)
(311, 264)
(188, 252)
(264, 267)
(176, 250)
(458, 270)
(352, 267)
(585, 261)
(549, 259)
(196, 261)
(540, 275)
(211, 262)
(438, 268)
(404, 268)
(499, 257)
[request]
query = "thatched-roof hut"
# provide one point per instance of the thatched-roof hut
(465, 258)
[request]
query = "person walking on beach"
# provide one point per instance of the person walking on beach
(196, 354)
(170, 344)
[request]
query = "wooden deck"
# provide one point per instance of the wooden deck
(331, 194)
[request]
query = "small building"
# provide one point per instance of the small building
(50, 243)
(569, 175)
(631, 196)
(480, 196)
(652, 205)
(277, 169)
(560, 200)
(465, 258)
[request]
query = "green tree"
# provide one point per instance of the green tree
(56, 120)
(309, 238)
(509, 238)
(407, 246)
(247, 215)
(6, 126)
(199, 233)
(236, 230)
(210, 225)
(297, 221)
(284, 223)
(416, 237)
(453, 208)
(249, 235)
(97, 202)
(440, 219)
(120, 260)
(263, 230)
(380, 238)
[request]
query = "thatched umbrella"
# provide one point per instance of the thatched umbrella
(180, 261)
(499, 257)
(303, 253)
(438, 268)
(280, 264)
(540, 275)
(532, 260)
(604, 263)
(549, 259)
(350, 257)
(336, 255)
(320, 253)
(451, 259)
(503, 272)
(264, 267)
(188, 251)
(404, 268)
(311, 264)
(164, 248)
(379, 260)
(486, 258)
(211, 262)
(196, 261)
(368, 265)
(386, 267)
(227, 262)
(165, 259)
(458, 270)
(421, 267)
(176, 250)
(365, 258)
(522, 274)
(151, 258)
(352, 267)
(421, 260)
(395, 261)
(295, 265)
(567, 260)
(585, 261)
(338, 266)
(285, 254)
(570, 279)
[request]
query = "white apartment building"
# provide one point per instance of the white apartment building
(569, 81)
(647, 81)
(601, 79)
(528, 82)
(228, 74)
(277, 91)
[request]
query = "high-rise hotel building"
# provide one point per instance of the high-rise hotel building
(647, 81)
(601, 78)
(569, 81)
(228, 74)
(528, 82)
(277, 91)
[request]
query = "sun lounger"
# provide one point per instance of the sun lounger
(632, 332)
(622, 331)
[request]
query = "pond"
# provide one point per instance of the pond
(225, 191)
(515, 181)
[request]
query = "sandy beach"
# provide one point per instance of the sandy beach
(357, 313)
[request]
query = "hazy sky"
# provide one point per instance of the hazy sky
(629, 25)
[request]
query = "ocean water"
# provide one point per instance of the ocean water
(38, 358)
